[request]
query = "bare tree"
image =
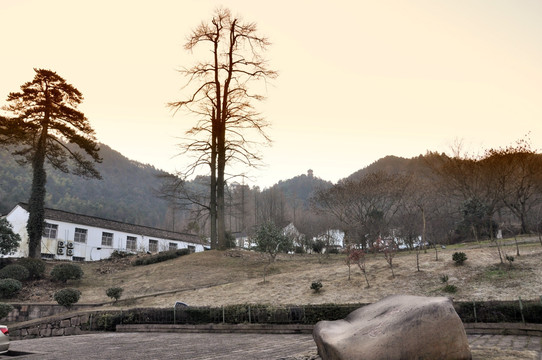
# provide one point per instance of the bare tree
(518, 174)
(220, 96)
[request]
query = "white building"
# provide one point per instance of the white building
(69, 236)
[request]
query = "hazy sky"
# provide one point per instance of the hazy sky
(359, 80)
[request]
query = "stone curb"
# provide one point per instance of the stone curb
(219, 328)
(470, 328)
(504, 329)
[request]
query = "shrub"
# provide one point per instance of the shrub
(299, 250)
(5, 309)
(459, 258)
(35, 267)
(67, 297)
(117, 254)
(65, 272)
(318, 246)
(114, 293)
(444, 279)
(316, 286)
(14, 271)
(449, 288)
(510, 260)
(9, 287)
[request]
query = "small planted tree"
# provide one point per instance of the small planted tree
(357, 256)
(114, 293)
(271, 241)
(67, 297)
(349, 261)
(389, 248)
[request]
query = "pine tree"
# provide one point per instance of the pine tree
(43, 126)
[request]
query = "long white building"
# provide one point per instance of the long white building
(70, 236)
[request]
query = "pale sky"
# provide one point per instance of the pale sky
(358, 80)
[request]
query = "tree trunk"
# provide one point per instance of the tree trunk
(424, 224)
(220, 182)
(212, 201)
(36, 203)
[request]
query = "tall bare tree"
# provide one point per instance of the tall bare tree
(44, 122)
(220, 95)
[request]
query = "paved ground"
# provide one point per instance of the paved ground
(165, 346)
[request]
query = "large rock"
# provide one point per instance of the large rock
(397, 327)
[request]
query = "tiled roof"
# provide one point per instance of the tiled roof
(65, 216)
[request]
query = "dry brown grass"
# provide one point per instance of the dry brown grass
(236, 276)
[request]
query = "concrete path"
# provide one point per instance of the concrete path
(163, 346)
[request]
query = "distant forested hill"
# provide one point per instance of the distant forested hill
(126, 192)
(398, 165)
(302, 186)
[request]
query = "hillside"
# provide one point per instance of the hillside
(236, 277)
(126, 193)
(398, 165)
(303, 186)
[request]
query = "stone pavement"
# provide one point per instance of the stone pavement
(200, 346)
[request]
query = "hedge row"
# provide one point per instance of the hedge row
(162, 256)
(308, 314)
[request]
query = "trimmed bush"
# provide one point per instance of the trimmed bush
(65, 272)
(316, 286)
(114, 293)
(9, 287)
(35, 267)
(67, 297)
(5, 309)
(459, 258)
(14, 271)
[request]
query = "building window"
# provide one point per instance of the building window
(80, 235)
(153, 245)
(107, 239)
(172, 246)
(50, 231)
(131, 243)
(192, 249)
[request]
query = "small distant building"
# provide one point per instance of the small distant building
(70, 236)
(333, 238)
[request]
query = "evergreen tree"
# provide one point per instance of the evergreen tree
(43, 125)
(9, 241)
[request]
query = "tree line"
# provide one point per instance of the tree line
(442, 199)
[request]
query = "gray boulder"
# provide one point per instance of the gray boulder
(397, 327)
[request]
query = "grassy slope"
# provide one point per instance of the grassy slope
(233, 277)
